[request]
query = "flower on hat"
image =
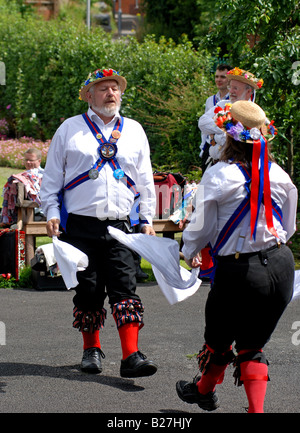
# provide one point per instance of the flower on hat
(272, 128)
(98, 73)
(236, 131)
(222, 115)
(218, 109)
(224, 120)
(255, 133)
(235, 71)
(247, 75)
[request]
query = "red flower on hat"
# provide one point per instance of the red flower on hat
(220, 121)
(107, 73)
(218, 109)
(272, 128)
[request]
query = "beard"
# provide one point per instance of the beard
(107, 110)
(242, 97)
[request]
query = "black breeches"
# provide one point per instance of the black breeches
(247, 298)
(111, 270)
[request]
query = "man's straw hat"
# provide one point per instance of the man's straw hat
(101, 75)
(245, 77)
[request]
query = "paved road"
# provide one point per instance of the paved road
(39, 362)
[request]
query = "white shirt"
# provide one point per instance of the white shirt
(211, 102)
(207, 126)
(73, 150)
(219, 193)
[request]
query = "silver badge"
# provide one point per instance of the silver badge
(93, 174)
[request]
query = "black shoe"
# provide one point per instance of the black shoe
(91, 360)
(189, 393)
(136, 365)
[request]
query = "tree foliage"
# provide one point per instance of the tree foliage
(46, 62)
(263, 37)
(174, 18)
(168, 78)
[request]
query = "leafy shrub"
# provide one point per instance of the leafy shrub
(46, 62)
(294, 242)
(25, 280)
(172, 123)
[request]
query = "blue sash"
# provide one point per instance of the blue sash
(107, 154)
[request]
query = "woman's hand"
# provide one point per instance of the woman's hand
(195, 262)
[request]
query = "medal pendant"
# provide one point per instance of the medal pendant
(93, 174)
(119, 173)
(108, 150)
(116, 134)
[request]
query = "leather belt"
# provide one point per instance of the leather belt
(246, 256)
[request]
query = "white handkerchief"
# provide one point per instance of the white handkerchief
(70, 260)
(296, 293)
(176, 282)
(48, 252)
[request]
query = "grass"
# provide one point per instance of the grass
(5, 172)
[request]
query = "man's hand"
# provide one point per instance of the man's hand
(148, 230)
(53, 227)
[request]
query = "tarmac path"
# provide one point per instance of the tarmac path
(40, 354)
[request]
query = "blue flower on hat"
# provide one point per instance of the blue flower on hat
(245, 135)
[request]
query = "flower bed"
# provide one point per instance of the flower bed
(12, 151)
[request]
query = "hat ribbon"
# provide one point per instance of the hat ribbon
(260, 187)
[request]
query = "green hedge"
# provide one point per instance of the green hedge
(46, 63)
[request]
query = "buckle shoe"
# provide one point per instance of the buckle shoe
(136, 365)
(91, 360)
(188, 392)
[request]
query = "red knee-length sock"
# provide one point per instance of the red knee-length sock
(211, 378)
(91, 339)
(255, 376)
(129, 338)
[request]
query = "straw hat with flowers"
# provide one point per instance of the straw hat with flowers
(245, 77)
(244, 121)
(101, 75)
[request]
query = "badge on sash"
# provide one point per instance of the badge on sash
(119, 173)
(93, 173)
(116, 134)
(108, 150)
